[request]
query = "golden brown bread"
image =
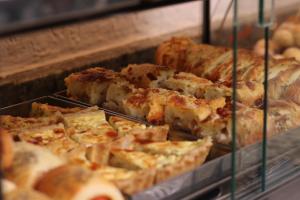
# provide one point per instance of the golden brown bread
(248, 92)
(29, 163)
(283, 73)
(75, 183)
(90, 85)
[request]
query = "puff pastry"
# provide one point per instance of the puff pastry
(215, 63)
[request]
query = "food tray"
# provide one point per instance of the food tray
(210, 179)
(204, 175)
(280, 159)
(217, 150)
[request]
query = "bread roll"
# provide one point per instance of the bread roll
(71, 182)
(29, 163)
(284, 38)
(292, 52)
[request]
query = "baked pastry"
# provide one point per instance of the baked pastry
(29, 163)
(214, 63)
(141, 132)
(91, 85)
(248, 92)
(76, 183)
(46, 110)
(14, 124)
(179, 158)
(128, 181)
(25, 194)
(90, 127)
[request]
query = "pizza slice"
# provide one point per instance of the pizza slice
(132, 160)
(90, 127)
(14, 124)
(128, 181)
(141, 132)
(46, 110)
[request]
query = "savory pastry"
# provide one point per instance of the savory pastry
(286, 115)
(128, 181)
(29, 163)
(186, 112)
(90, 127)
(167, 158)
(141, 132)
(6, 149)
(42, 135)
(15, 124)
(116, 93)
(132, 160)
(46, 110)
(147, 75)
(214, 63)
(76, 183)
(248, 92)
(91, 85)
(25, 194)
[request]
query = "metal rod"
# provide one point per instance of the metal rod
(264, 142)
(261, 20)
(206, 22)
(234, 85)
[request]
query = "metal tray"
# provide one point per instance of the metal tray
(210, 180)
(217, 150)
(165, 190)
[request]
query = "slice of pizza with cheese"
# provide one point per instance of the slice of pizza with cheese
(46, 110)
(141, 132)
(13, 124)
(128, 181)
(90, 127)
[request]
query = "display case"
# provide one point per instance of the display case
(248, 89)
